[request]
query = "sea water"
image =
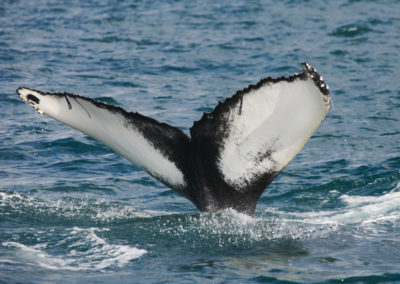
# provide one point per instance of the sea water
(71, 210)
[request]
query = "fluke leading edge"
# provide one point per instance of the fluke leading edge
(234, 152)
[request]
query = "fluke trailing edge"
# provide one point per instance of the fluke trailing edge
(233, 153)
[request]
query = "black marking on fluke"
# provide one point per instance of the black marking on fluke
(32, 98)
(197, 157)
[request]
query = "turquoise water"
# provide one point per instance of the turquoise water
(71, 210)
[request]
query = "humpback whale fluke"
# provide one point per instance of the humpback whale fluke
(234, 152)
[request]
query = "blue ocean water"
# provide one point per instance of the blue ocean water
(71, 210)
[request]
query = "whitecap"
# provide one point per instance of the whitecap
(83, 250)
(361, 212)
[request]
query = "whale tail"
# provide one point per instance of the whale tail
(234, 152)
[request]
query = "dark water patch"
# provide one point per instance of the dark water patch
(6, 55)
(8, 99)
(87, 166)
(356, 41)
(109, 39)
(339, 52)
(61, 187)
(147, 181)
(331, 136)
(392, 163)
(125, 84)
(283, 69)
(362, 60)
(90, 76)
(57, 10)
(12, 75)
(117, 39)
(254, 39)
(45, 70)
(374, 180)
(368, 129)
(170, 193)
(372, 171)
(367, 180)
(7, 154)
(382, 118)
(164, 98)
(179, 48)
(327, 259)
(37, 129)
(108, 100)
(340, 167)
(114, 19)
(305, 199)
(161, 109)
(384, 278)
(179, 69)
(72, 146)
(204, 109)
(266, 279)
(390, 133)
(209, 65)
(365, 98)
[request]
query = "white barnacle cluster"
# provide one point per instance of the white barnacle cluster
(318, 79)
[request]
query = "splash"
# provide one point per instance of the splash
(226, 231)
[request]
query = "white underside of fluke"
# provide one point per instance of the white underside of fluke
(269, 128)
(239, 147)
(108, 127)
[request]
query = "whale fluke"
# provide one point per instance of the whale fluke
(234, 152)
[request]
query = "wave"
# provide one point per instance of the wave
(363, 212)
(66, 211)
(82, 249)
(223, 229)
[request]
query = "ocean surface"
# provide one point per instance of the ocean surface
(73, 211)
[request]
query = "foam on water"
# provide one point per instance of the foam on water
(364, 212)
(70, 208)
(225, 227)
(372, 209)
(82, 250)
(272, 233)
